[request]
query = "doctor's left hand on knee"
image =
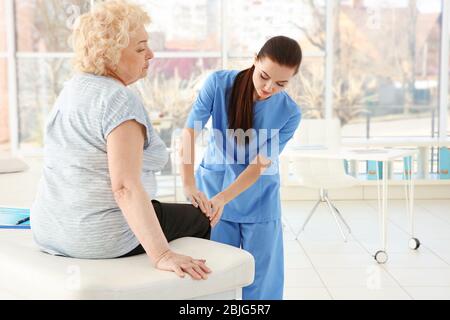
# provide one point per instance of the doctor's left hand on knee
(218, 203)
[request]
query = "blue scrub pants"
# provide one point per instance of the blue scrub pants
(265, 242)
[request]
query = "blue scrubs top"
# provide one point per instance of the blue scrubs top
(275, 121)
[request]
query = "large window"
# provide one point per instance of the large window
(386, 67)
(43, 29)
(187, 39)
(386, 59)
(2, 27)
(185, 36)
(190, 39)
(46, 25)
(448, 76)
(39, 82)
(4, 127)
(170, 89)
(251, 23)
(187, 26)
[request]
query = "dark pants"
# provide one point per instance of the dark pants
(177, 221)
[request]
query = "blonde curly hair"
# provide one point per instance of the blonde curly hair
(100, 36)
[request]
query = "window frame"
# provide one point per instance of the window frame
(12, 55)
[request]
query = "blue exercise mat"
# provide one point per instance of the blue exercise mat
(14, 218)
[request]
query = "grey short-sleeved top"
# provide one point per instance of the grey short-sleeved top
(74, 213)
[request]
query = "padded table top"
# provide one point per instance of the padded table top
(29, 273)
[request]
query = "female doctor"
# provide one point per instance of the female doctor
(237, 183)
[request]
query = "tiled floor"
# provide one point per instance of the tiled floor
(320, 265)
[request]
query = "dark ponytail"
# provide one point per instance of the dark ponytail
(282, 50)
(240, 111)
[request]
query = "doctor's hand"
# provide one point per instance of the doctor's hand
(198, 199)
(218, 203)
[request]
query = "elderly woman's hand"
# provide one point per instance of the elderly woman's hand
(198, 199)
(181, 265)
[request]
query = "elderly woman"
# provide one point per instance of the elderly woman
(101, 153)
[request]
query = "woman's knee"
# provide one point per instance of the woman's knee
(202, 223)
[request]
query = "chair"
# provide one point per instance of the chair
(322, 174)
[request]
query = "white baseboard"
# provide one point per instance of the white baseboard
(421, 192)
(367, 192)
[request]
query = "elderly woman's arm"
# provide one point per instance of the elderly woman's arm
(125, 151)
